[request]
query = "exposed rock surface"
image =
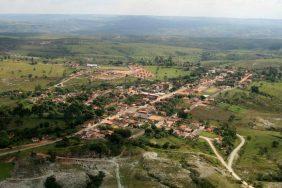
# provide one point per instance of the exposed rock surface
(168, 172)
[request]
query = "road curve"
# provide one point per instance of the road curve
(220, 158)
(234, 153)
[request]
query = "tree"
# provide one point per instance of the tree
(38, 88)
(125, 133)
(255, 89)
(166, 145)
(51, 183)
(231, 118)
(95, 181)
(19, 122)
(4, 139)
(64, 143)
(182, 114)
(99, 147)
(52, 155)
(275, 144)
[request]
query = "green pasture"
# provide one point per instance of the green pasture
(20, 75)
(162, 73)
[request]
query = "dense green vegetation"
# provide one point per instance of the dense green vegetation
(60, 119)
(5, 170)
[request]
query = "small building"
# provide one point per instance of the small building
(92, 65)
(156, 118)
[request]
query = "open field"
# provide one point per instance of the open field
(254, 158)
(210, 113)
(162, 73)
(272, 89)
(211, 91)
(259, 63)
(268, 98)
(21, 75)
(258, 119)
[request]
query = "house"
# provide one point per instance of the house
(156, 118)
(92, 65)
(34, 140)
(108, 122)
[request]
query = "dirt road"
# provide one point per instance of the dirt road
(222, 161)
(235, 152)
(27, 147)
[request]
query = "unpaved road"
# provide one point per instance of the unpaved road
(235, 152)
(222, 161)
(219, 157)
(27, 147)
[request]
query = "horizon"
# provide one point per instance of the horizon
(245, 9)
(134, 15)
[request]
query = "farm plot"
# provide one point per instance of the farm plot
(161, 73)
(22, 75)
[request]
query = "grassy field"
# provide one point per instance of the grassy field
(6, 101)
(162, 73)
(259, 63)
(185, 146)
(208, 134)
(5, 170)
(268, 98)
(258, 119)
(210, 113)
(21, 75)
(210, 91)
(252, 161)
(232, 108)
(272, 89)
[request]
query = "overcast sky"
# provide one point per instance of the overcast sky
(205, 8)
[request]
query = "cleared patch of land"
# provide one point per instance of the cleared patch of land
(162, 73)
(20, 75)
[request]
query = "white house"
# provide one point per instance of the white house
(91, 65)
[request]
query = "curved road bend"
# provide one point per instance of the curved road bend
(234, 153)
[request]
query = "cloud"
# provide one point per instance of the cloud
(208, 8)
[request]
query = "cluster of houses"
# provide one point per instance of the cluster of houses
(143, 109)
(192, 131)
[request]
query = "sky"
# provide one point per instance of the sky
(195, 8)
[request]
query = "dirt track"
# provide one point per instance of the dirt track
(230, 162)
(235, 152)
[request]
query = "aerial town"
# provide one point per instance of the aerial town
(132, 101)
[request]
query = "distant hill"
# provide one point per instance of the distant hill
(140, 25)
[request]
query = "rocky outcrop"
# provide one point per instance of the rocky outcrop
(166, 171)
